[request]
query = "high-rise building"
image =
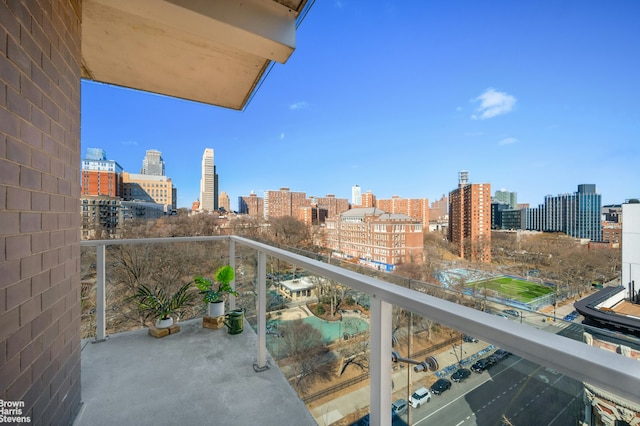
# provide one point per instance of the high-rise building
(149, 188)
(153, 164)
(100, 177)
(333, 206)
(577, 215)
(439, 208)
(283, 203)
(356, 196)
(375, 238)
(224, 202)
(251, 205)
(415, 208)
(470, 219)
(368, 199)
(506, 197)
(208, 182)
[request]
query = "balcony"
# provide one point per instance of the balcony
(202, 376)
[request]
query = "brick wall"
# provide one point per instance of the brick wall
(39, 207)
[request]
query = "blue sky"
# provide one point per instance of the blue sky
(398, 97)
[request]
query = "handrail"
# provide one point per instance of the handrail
(608, 371)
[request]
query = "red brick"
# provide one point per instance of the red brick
(21, 12)
(18, 199)
(18, 341)
(7, 20)
(10, 222)
(18, 293)
(9, 171)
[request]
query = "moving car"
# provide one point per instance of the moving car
(398, 408)
(501, 354)
(511, 312)
(469, 339)
(419, 397)
(440, 386)
(460, 375)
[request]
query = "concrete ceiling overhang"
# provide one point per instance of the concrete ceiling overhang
(210, 51)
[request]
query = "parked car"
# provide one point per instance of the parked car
(398, 408)
(419, 397)
(482, 364)
(511, 312)
(501, 354)
(460, 375)
(469, 339)
(440, 386)
(502, 315)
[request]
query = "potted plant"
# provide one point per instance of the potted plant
(159, 304)
(214, 293)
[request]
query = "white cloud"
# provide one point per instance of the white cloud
(281, 136)
(299, 105)
(493, 103)
(459, 109)
(508, 141)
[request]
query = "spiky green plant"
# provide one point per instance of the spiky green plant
(157, 303)
(211, 292)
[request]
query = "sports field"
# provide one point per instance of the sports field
(512, 288)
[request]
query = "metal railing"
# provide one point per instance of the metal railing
(611, 372)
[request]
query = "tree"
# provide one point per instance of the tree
(304, 347)
(289, 231)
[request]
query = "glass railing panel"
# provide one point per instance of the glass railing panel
(128, 266)
(443, 376)
(317, 331)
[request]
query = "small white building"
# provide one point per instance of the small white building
(297, 289)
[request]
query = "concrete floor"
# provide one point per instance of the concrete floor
(195, 377)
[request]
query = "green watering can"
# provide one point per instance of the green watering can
(234, 321)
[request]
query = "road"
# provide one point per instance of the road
(526, 393)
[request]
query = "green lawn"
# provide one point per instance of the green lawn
(512, 288)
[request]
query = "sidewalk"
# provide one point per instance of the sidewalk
(332, 411)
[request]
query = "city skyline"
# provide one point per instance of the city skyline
(535, 99)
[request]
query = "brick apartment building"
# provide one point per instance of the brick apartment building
(251, 204)
(416, 208)
(283, 202)
(470, 219)
(375, 238)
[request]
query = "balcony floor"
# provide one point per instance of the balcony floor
(195, 377)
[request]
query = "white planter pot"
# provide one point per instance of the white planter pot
(166, 323)
(216, 309)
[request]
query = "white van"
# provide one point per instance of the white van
(419, 397)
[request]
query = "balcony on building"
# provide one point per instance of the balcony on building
(203, 376)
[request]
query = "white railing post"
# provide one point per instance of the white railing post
(232, 263)
(101, 275)
(261, 312)
(380, 371)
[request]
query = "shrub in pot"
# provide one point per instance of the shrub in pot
(157, 303)
(214, 292)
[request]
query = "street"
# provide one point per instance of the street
(526, 393)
